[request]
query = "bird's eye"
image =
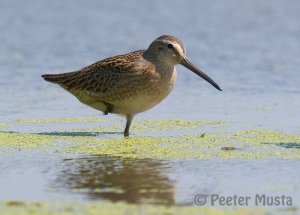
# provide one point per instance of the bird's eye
(170, 46)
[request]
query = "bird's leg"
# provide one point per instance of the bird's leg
(109, 108)
(129, 118)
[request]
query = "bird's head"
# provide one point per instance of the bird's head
(169, 50)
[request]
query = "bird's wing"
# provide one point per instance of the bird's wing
(102, 78)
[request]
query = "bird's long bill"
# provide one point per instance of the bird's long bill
(186, 63)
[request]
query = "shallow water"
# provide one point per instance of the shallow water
(251, 49)
(144, 181)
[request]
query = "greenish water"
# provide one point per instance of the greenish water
(250, 48)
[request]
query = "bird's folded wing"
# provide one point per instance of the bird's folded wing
(103, 78)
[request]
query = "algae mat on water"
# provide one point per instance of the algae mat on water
(84, 208)
(249, 144)
(2, 125)
(60, 120)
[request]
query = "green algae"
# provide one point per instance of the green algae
(84, 208)
(158, 125)
(2, 125)
(17, 140)
(60, 120)
(251, 144)
(163, 125)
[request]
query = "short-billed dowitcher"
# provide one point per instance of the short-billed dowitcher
(130, 83)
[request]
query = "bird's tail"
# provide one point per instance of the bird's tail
(53, 78)
(57, 78)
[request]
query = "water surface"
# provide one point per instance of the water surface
(250, 48)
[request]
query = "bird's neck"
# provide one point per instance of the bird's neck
(163, 67)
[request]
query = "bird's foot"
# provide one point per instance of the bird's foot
(109, 108)
(126, 135)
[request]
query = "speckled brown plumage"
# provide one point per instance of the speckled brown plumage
(98, 77)
(131, 83)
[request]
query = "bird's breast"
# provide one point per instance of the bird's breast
(152, 93)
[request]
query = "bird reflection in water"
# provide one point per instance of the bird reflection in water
(118, 179)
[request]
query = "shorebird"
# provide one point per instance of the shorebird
(130, 83)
